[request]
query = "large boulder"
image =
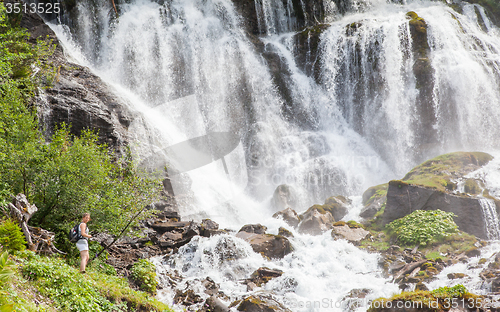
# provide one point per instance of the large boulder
(270, 246)
(349, 233)
(259, 303)
(289, 216)
(337, 206)
(315, 221)
(254, 228)
(431, 186)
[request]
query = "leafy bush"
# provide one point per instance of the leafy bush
(144, 272)
(423, 227)
(11, 236)
(456, 291)
(70, 175)
(72, 291)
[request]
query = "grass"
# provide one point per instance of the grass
(438, 172)
(439, 299)
(453, 244)
(57, 286)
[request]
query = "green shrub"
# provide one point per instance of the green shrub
(94, 291)
(423, 227)
(11, 236)
(144, 272)
(70, 174)
(457, 291)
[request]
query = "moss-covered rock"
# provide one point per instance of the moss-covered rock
(438, 299)
(259, 303)
(315, 221)
(374, 199)
(438, 172)
(335, 205)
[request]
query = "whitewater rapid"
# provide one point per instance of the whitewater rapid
(190, 69)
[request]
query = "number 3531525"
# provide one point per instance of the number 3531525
(39, 8)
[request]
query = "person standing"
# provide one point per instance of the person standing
(82, 244)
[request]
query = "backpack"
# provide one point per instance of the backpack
(74, 234)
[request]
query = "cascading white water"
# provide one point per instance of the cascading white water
(318, 276)
(490, 217)
(189, 68)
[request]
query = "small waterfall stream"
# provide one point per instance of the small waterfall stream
(491, 218)
(354, 118)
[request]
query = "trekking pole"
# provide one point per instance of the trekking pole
(123, 231)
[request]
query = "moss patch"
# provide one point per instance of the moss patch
(438, 299)
(374, 192)
(438, 172)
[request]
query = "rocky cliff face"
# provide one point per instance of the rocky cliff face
(78, 97)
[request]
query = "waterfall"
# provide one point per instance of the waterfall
(490, 217)
(330, 109)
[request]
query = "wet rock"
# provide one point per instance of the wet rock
(271, 246)
(167, 226)
(254, 228)
(263, 275)
(187, 297)
(167, 211)
(226, 250)
(371, 209)
(175, 234)
(353, 235)
(315, 221)
(495, 285)
(283, 198)
(210, 228)
(456, 275)
(473, 252)
(421, 286)
(307, 56)
(353, 300)
(284, 232)
(337, 206)
(260, 303)
(81, 99)
(213, 304)
(289, 216)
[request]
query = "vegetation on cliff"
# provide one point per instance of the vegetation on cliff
(30, 282)
(443, 298)
(438, 172)
(422, 227)
(64, 175)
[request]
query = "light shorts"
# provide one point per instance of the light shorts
(82, 244)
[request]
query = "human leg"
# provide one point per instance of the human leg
(84, 255)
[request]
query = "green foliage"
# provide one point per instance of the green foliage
(94, 291)
(436, 300)
(7, 268)
(70, 175)
(7, 271)
(423, 227)
(11, 236)
(438, 172)
(456, 291)
(144, 272)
